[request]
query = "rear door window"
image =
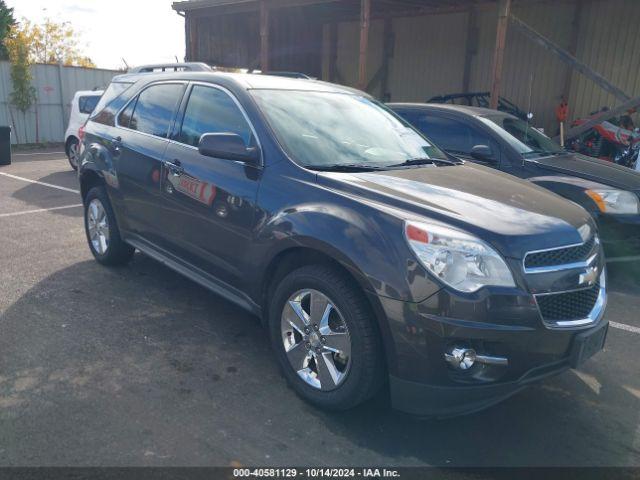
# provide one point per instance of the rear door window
(211, 110)
(155, 108)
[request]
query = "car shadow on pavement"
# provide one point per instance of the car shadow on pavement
(41, 196)
(139, 366)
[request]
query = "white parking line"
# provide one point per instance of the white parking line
(15, 177)
(25, 212)
(39, 153)
(623, 326)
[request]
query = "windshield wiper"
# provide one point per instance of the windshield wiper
(546, 153)
(538, 152)
(345, 167)
(424, 161)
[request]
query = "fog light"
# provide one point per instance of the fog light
(461, 358)
(464, 358)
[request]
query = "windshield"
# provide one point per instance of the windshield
(526, 139)
(326, 129)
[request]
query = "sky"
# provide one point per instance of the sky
(140, 31)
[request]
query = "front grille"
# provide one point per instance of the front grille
(576, 305)
(560, 256)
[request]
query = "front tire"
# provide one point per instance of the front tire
(325, 338)
(102, 230)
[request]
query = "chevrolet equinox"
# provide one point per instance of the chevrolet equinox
(373, 258)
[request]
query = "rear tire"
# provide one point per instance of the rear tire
(102, 230)
(337, 384)
(73, 151)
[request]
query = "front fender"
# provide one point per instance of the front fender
(368, 243)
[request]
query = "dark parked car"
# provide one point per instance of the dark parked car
(479, 99)
(608, 191)
(371, 256)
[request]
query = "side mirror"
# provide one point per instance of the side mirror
(483, 153)
(229, 146)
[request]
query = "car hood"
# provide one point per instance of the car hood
(594, 169)
(515, 216)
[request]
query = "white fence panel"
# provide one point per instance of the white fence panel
(55, 86)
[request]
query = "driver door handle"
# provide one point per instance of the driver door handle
(116, 144)
(174, 167)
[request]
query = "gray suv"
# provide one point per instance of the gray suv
(374, 259)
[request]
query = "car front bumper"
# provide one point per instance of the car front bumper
(620, 236)
(504, 326)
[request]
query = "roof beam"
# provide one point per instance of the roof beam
(254, 4)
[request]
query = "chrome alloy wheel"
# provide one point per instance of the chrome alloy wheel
(98, 225)
(316, 339)
(74, 150)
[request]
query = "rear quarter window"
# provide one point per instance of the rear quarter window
(112, 100)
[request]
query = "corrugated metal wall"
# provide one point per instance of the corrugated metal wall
(295, 42)
(531, 76)
(349, 52)
(429, 56)
(610, 43)
(228, 40)
(55, 87)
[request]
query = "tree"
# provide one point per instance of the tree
(23, 95)
(52, 42)
(6, 22)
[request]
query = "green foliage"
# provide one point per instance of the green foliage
(53, 42)
(18, 45)
(6, 22)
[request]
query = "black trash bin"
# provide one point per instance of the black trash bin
(5, 145)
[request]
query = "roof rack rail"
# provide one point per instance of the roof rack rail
(172, 67)
(289, 74)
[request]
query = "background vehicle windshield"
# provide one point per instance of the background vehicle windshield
(526, 139)
(322, 129)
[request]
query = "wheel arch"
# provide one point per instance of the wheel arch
(296, 257)
(68, 141)
(88, 180)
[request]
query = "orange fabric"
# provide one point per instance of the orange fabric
(562, 111)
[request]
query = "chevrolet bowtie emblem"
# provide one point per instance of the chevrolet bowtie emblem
(589, 276)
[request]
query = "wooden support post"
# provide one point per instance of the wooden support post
(504, 10)
(264, 36)
(333, 50)
(566, 57)
(193, 38)
(471, 49)
(365, 20)
(387, 54)
(187, 38)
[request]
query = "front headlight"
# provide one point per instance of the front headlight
(460, 260)
(615, 201)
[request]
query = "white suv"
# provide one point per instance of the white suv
(82, 105)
